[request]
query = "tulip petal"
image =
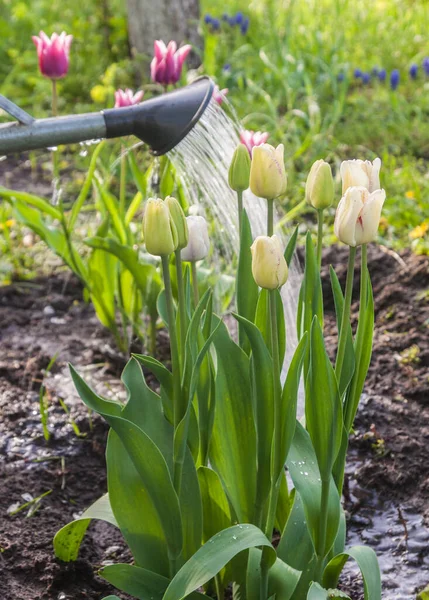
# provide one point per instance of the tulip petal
(347, 214)
(369, 218)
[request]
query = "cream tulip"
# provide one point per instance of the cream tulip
(319, 188)
(269, 267)
(358, 216)
(198, 243)
(159, 230)
(361, 173)
(267, 172)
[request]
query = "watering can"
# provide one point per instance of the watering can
(160, 122)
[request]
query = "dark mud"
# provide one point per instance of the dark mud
(388, 473)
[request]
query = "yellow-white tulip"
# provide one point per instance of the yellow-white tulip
(319, 188)
(198, 243)
(267, 172)
(361, 173)
(358, 216)
(269, 266)
(159, 230)
(179, 220)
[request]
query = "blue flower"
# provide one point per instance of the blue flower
(215, 24)
(239, 18)
(394, 79)
(207, 19)
(375, 71)
(245, 26)
(225, 17)
(382, 75)
(366, 78)
(341, 77)
(414, 69)
(358, 73)
(226, 68)
(426, 65)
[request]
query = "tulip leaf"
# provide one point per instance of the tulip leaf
(165, 379)
(291, 245)
(233, 444)
(246, 287)
(25, 198)
(83, 194)
(282, 579)
(323, 408)
(216, 510)
(147, 460)
(316, 592)
(67, 540)
(262, 321)
(213, 556)
(367, 562)
(295, 546)
(312, 297)
(111, 205)
(348, 368)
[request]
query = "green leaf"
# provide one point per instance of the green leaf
(323, 408)
(246, 287)
(40, 203)
(77, 206)
(147, 460)
(139, 178)
(111, 598)
(233, 445)
(111, 205)
(213, 556)
(262, 321)
(165, 378)
(216, 511)
(296, 547)
(367, 562)
(347, 371)
(139, 583)
(282, 579)
(67, 540)
(312, 289)
(133, 208)
(290, 248)
(316, 592)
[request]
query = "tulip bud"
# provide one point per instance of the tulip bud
(269, 266)
(199, 243)
(267, 172)
(179, 220)
(361, 173)
(319, 189)
(239, 171)
(358, 216)
(159, 230)
(53, 54)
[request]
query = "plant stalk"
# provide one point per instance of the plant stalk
(123, 182)
(195, 283)
(55, 157)
(182, 304)
(319, 237)
(270, 217)
(240, 211)
(323, 524)
(346, 313)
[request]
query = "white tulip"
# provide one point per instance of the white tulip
(358, 216)
(361, 173)
(198, 241)
(269, 267)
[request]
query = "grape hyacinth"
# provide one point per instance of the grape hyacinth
(414, 69)
(382, 75)
(394, 79)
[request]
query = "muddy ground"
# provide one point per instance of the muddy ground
(388, 473)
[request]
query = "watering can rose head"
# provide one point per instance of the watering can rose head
(239, 171)
(179, 221)
(127, 98)
(267, 172)
(167, 64)
(319, 189)
(199, 244)
(361, 173)
(269, 267)
(53, 54)
(159, 230)
(252, 138)
(358, 216)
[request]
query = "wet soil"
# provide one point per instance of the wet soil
(388, 473)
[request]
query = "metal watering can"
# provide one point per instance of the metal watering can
(160, 122)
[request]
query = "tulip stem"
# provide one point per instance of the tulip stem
(240, 211)
(270, 217)
(346, 313)
(123, 182)
(195, 283)
(182, 303)
(323, 523)
(319, 237)
(55, 169)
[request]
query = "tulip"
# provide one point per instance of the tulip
(319, 189)
(358, 216)
(239, 171)
(394, 79)
(251, 139)
(219, 95)
(179, 221)
(267, 172)
(269, 267)
(361, 173)
(159, 230)
(53, 54)
(166, 66)
(198, 243)
(127, 98)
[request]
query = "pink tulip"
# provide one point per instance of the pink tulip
(53, 54)
(252, 138)
(127, 98)
(219, 95)
(166, 66)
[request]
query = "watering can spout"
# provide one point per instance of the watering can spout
(161, 122)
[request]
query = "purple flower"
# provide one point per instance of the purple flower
(341, 77)
(215, 24)
(426, 65)
(239, 18)
(366, 78)
(53, 54)
(414, 69)
(394, 79)
(382, 75)
(166, 66)
(207, 19)
(357, 73)
(226, 68)
(244, 27)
